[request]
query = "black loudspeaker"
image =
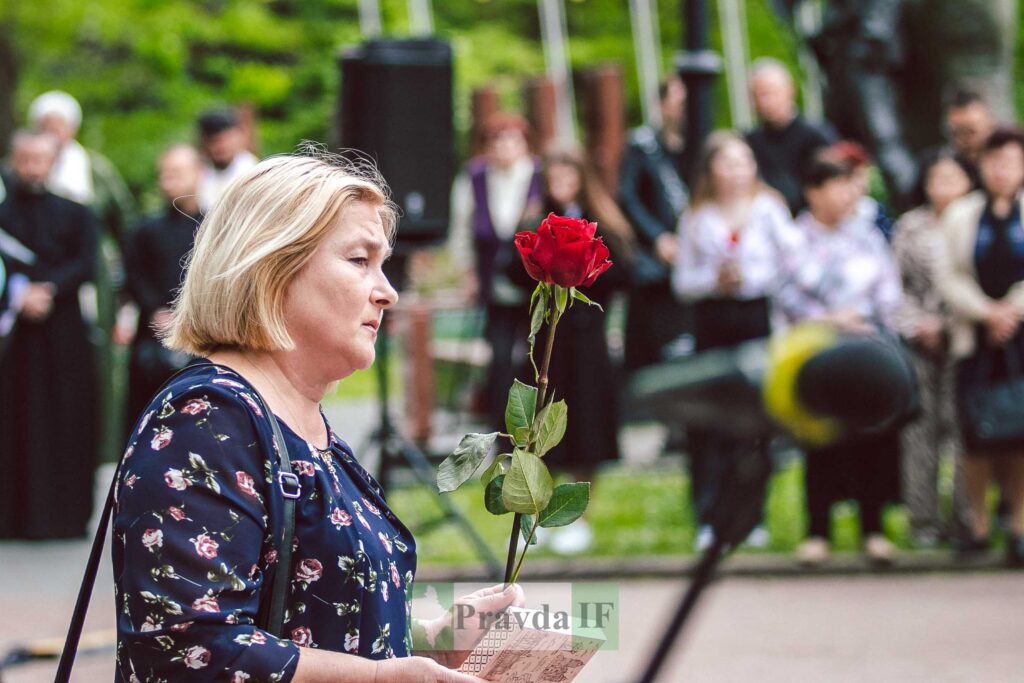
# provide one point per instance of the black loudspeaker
(396, 107)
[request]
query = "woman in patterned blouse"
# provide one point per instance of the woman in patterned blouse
(923, 320)
(283, 295)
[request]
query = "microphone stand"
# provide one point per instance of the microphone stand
(736, 513)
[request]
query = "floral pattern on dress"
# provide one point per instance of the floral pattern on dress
(193, 547)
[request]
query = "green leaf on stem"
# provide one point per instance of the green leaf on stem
(528, 485)
(550, 427)
(561, 298)
(522, 436)
(458, 467)
(568, 502)
(538, 314)
(583, 298)
(522, 403)
(526, 526)
(492, 496)
(494, 469)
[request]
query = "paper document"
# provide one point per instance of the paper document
(514, 650)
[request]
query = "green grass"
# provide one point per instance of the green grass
(632, 513)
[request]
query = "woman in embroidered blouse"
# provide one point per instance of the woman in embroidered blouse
(284, 294)
(733, 242)
(922, 319)
(846, 278)
(982, 280)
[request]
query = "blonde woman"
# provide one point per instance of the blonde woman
(734, 242)
(283, 295)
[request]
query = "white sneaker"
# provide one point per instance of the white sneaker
(705, 537)
(572, 539)
(812, 552)
(879, 550)
(758, 538)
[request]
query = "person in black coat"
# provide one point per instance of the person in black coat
(653, 196)
(784, 141)
(48, 423)
(154, 262)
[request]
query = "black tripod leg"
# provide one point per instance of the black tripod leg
(702, 575)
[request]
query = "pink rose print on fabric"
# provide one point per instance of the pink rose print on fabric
(302, 636)
(246, 483)
(161, 438)
(130, 481)
(206, 547)
(303, 467)
(176, 479)
(153, 538)
(308, 571)
(196, 657)
(352, 641)
(182, 627)
(252, 403)
(258, 638)
(145, 421)
(384, 590)
(362, 520)
(176, 513)
(228, 383)
(384, 541)
(371, 507)
(271, 556)
(395, 578)
(128, 453)
(340, 518)
(207, 603)
(240, 677)
(150, 624)
(195, 407)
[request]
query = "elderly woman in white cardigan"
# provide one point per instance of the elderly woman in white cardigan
(981, 276)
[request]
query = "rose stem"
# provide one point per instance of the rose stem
(542, 386)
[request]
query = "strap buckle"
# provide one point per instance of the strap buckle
(289, 485)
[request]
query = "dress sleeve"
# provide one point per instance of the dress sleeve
(189, 541)
(696, 273)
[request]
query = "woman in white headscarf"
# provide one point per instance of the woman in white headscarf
(81, 175)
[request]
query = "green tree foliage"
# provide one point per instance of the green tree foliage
(143, 69)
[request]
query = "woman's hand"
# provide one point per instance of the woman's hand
(929, 334)
(850, 322)
(1001, 322)
(729, 277)
(470, 618)
(419, 670)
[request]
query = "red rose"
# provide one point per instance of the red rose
(564, 252)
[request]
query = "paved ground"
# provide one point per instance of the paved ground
(934, 628)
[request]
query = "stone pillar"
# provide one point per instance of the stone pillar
(483, 103)
(604, 121)
(541, 107)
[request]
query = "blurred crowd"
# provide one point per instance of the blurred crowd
(774, 226)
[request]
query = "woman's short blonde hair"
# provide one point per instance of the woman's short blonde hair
(254, 242)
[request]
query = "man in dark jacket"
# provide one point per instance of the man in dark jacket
(154, 258)
(653, 196)
(784, 141)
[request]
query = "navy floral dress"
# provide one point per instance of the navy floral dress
(193, 543)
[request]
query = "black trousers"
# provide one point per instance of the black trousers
(506, 331)
(864, 469)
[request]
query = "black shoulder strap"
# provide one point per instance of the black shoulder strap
(290, 488)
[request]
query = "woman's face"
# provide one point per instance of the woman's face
(564, 184)
(1002, 170)
(833, 200)
(733, 171)
(335, 304)
(946, 181)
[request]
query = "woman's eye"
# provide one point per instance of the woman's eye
(360, 260)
